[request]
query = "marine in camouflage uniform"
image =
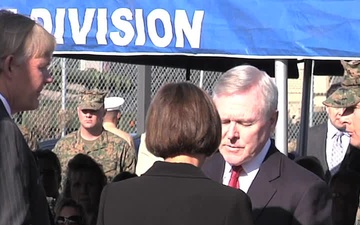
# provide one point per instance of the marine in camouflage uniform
(348, 98)
(113, 153)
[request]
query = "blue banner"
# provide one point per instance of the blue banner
(236, 28)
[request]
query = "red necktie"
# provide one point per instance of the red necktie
(234, 179)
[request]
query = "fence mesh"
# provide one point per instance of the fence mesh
(57, 110)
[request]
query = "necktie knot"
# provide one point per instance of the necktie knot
(234, 179)
(236, 169)
(339, 134)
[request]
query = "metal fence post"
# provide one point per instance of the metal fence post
(144, 96)
(63, 91)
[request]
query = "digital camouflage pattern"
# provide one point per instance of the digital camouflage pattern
(30, 137)
(113, 153)
(349, 93)
(91, 99)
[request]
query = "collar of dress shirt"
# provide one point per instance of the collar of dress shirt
(6, 104)
(255, 163)
(332, 130)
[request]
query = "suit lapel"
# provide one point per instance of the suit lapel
(3, 112)
(262, 190)
(322, 151)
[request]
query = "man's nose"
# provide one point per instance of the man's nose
(345, 119)
(48, 78)
(233, 131)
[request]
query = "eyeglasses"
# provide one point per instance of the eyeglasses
(71, 220)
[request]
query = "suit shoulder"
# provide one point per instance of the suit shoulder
(319, 127)
(296, 172)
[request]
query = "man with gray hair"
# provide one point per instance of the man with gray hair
(25, 53)
(281, 191)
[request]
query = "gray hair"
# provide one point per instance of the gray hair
(23, 37)
(245, 77)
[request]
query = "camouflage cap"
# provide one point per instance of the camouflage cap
(344, 97)
(349, 94)
(352, 73)
(91, 99)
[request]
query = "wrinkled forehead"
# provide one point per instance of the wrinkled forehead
(238, 107)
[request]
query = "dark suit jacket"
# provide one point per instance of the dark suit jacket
(316, 146)
(22, 196)
(176, 194)
(282, 191)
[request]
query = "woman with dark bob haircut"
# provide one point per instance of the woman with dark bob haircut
(184, 128)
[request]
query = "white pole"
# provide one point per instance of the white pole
(201, 78)
(281, 78)
(63, 91)
(312, 103)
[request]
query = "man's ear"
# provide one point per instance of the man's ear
(273, 120)
(8, 65)
(118, 116)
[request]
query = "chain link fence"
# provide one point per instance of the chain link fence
(57, 113)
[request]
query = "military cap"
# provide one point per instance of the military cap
(348, 94)
(91, 99)
(113, 103)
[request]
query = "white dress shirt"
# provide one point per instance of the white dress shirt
(6, 104)
(250, 169)
(330, 138)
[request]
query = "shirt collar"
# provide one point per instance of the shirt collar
(332, 130)
(255, 162)
(6, 104)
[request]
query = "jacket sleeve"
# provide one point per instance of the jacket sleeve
(314, 207)
(14, 173)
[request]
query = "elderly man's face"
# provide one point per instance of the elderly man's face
(30, 78)
(334, 116)
(351, 118)
(245, 128)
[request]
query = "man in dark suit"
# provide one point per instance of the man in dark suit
(281, 191)
(25, 53)
(322, 139)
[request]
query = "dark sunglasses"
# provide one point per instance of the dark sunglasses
(71, 220)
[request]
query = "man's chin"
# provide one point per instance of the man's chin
(233, 161)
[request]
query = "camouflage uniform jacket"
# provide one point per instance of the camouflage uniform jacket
(113, 153)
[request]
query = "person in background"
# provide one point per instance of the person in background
(112, 117)
(176, 191)
(329, 141)
(84, 182)
(50, 175)
(26, 50)
(113, 153)
(145, 158)
(68, 212)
